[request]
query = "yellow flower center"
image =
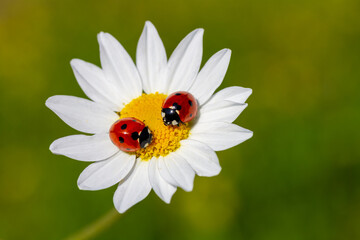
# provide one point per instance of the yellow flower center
(166, 139)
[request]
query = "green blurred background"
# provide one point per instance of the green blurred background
(297, 178)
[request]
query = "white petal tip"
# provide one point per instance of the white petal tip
(210, 174)
(226, 51)
(166, 200)
(83, 187)
(120, 208)
(52, 148)
(49, 101)
(53, 100)
(149, 28)
(246, 92)
(247, 135)
(102, 35)
(149, 24)
(188, 189)
(200, 31)
(75, 61)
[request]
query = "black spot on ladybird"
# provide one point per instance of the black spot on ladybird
(124, 126)
(128, 149)
(121, 140)
(177, 94)
(134, 120)
(177, 106)
(190, 114)
(190, 102)
(135, 135)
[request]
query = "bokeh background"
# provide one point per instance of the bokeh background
(297, 178)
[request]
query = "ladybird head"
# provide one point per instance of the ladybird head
(145, 137)
(170, 116)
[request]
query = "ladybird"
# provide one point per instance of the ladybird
(179, 107)
(130, 134)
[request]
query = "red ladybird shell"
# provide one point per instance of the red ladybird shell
(125, 133)
(186, 101)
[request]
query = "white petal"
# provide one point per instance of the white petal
(81, 114)
(221, 111)
(85, 148)
(225, 105)
(164, 172)
(219, 135)
(234, 94)
(119, 67)
(151, 60)
(94, 84)
(106, 173)
(211, 76)
(201, 158)
(180, 170)
(134, 188)
(162, 188)
(185, 61)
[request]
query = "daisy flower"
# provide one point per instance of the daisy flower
(122, 89)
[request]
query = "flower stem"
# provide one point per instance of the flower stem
(96, 227)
